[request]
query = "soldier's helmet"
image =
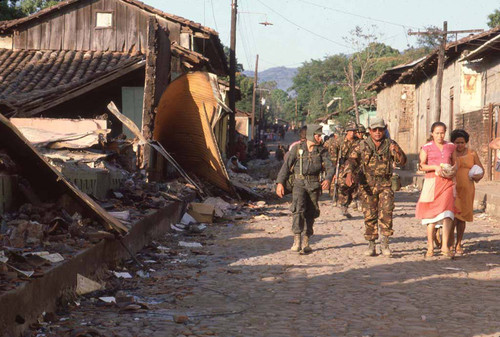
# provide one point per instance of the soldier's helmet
(361, 128)
(351, 126)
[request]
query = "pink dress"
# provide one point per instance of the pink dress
(436, 200)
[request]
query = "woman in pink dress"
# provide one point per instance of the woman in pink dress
(437, 202)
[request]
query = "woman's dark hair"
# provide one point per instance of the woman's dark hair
(459, 133)
(436, 124)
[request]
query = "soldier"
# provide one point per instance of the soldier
(375, 156)
(305, 161)
(340, 150)
(361, 132)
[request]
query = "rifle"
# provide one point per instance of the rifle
(336, 184)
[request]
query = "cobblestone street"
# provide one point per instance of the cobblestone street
(244, 281)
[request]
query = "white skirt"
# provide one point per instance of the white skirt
(439, 217)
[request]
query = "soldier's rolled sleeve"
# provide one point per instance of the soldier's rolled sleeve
(329, 168)
(403, 155)
(284, 172)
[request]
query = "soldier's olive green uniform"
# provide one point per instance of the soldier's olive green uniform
(306, 187)
(375, 184)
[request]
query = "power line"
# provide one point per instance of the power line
(354, 14)
(303, 28)
(213, 15)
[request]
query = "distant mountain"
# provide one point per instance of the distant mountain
(282, 75)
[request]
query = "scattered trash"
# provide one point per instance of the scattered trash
(202, 212)
(108, 299)
(177, 228)
(142, 274)
(220, 206)
(163, 248)
(123, 215)
(54, 258)
(190, 244)
(262, 217)
(187, 219)
(122, 274)
(453, 268)
(27, 273)
(3, 258)
(181, 319)
(85, 285)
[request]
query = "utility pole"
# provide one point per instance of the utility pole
(296, 113)
(254, 94)
(232, 78)
(441, 59)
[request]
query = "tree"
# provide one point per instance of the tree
(14, 9)
(368, 50)
(9, 10)
(494, 19)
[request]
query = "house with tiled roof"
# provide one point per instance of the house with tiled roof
(406, 94)
(72, 59)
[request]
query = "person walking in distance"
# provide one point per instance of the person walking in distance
(345, 146)
(305, 160)
(375, 156)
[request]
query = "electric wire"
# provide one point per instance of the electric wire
(213, 15)
(354, 14)
(303, 28)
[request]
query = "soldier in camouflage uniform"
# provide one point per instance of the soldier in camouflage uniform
(340, 150)
(375, 156)
(361, 132)
(305, 161)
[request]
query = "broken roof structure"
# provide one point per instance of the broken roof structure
(32, 81)
(416, 71)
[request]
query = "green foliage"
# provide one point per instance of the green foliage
(32, 6)
(9, 10)
(14, 9)
(494, 19)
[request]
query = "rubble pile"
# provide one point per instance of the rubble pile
(261, 176)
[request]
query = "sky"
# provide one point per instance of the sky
(313, 29)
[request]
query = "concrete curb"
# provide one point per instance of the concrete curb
(27, 302)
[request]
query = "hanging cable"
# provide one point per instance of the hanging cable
(303, 28)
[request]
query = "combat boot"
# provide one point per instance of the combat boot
(370, 251)
(384, 246)
(296, 243)
(345, 212)
(305, 245)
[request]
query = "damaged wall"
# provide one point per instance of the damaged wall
(183, 127)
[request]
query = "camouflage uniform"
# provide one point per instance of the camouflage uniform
(306, 186)
(375, 184)
(342, 149)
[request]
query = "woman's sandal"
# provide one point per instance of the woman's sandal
(448, 254)
(459, 251)
(428, 255)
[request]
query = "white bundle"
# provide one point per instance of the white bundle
(447, 171)
(475, 172)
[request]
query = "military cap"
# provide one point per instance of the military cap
(314, 129)
(377, 122)
(361, 128)
(351, 126)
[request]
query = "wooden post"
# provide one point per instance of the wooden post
(440, 71)
(296, 114)
(232, 79)
(254, 94)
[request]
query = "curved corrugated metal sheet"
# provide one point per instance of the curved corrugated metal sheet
(182, 126)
